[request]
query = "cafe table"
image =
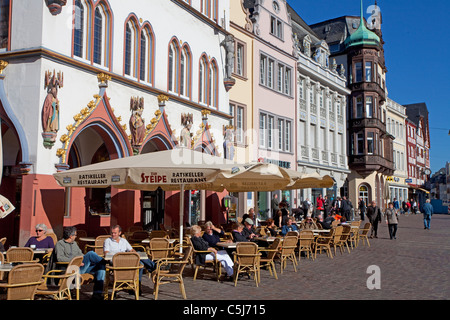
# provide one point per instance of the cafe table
(87, 239)
(147, 241)
(227, 245)
(142, 256)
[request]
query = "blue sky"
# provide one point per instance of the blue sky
(417, 51)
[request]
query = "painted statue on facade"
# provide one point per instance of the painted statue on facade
(228, 44)
(228, 144)
(50, 109)
(186, 136)
(137, 123)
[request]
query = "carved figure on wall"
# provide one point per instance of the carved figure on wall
(50, 109)
(186, 136)
(137, 123)
(228, 144)
(228, 44)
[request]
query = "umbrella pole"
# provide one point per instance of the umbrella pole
(181, 216)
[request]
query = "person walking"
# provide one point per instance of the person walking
(362, 208)
(374, 216)
(391, 215)
(275, 205)
(428, 211)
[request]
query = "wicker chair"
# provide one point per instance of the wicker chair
(345, 237)
(364, 234)
(323, 242)
(354, 234)
(268, 261)
(125, 272)
(174, 273)
(287, 252)
(135, 228)
(214, 264)
(305, 243)
(158, 234)
(3, 241)
(23, 281)
(336, 239)
(246, 260)
(2, 261)
(54, 237)
(98, 245)
(61, 291)
(20, 255)
(137, 237)
(159, 248)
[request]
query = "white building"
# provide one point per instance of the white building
(321, 99)
(396, 126)
(157, 67)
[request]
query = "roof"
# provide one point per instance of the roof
(301, 28)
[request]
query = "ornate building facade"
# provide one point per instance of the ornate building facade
(87, 81)
(321, 112)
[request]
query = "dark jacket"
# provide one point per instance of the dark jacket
(213, 238)
(238, 237)
(200, 245)
(373, 214)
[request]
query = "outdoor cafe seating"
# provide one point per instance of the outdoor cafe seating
(246, 259)
(23, 280)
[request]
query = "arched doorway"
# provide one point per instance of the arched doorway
(365, 193)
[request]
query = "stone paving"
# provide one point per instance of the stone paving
(414, 266)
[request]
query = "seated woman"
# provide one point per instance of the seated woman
(212, 234)
(201, 245)
(238, 236)
(271, 228)
(41, 241)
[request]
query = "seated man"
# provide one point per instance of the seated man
(326, 224)
(117, 244)
(212, 234)
(248, 229)
(67, 249)
(289, 226)
(308, 224)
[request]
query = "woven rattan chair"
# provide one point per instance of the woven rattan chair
(158, 234)
(159, 248)
(323, 242)
(268, 261)
(336, 239)
(66, 278)
(125, 273)
(287, 252)
(135, 228)
(246, 260)
(23, 281)
(354, 234)
(214, 264)
(3, 241)
(292, 234)
(20, 255)
(364, 234)
(2, 261)
(305, 243)
(98, 245)
(171, 270)
(345, 237)
(54, 237)
(137, 237)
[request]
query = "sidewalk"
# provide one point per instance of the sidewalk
(415, 266)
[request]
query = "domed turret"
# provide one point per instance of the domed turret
(362, 35)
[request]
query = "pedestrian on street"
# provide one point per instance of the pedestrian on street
(374, 216)
(391, 215)
(428, 211)
(347, 206)
(362, 208)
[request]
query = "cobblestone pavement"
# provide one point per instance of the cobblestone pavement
(414, 266)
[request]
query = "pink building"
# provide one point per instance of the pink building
(274, 91)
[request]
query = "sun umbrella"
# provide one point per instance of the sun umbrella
(177, 169)
(6, 207)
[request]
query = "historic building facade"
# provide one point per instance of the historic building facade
(85, 81)
(370, 147)
(396, 126)
(321, 111)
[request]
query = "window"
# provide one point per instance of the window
(203, 80)
(287, 136)
(280, 77)
(276, 27)
(240, 59)
(174, 56)
(262, 130)
(146, 56)
(358, 71)
(368, 71)
(370, 143)
(364, 193)
(131, 41)
(185, 72)
(369, 107)
(5, 8)
(143, 54)
(270, 74)
(270, 132)
(213, 84)
(360, 143)
(238, 112)
(287, 81)
(98, 36)
(263, 70)
(209, 8)
(280, 134)
(78, 35)
(359, 107)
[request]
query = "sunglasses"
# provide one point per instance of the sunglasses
(39, 230)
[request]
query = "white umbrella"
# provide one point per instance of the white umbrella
(177, 169)
(6, 207)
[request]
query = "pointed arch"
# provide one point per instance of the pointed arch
(203, 79)
(147, 53)
(186, 71)
(131, 46)
(102, 34)
(214, 84)
(173, 69)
